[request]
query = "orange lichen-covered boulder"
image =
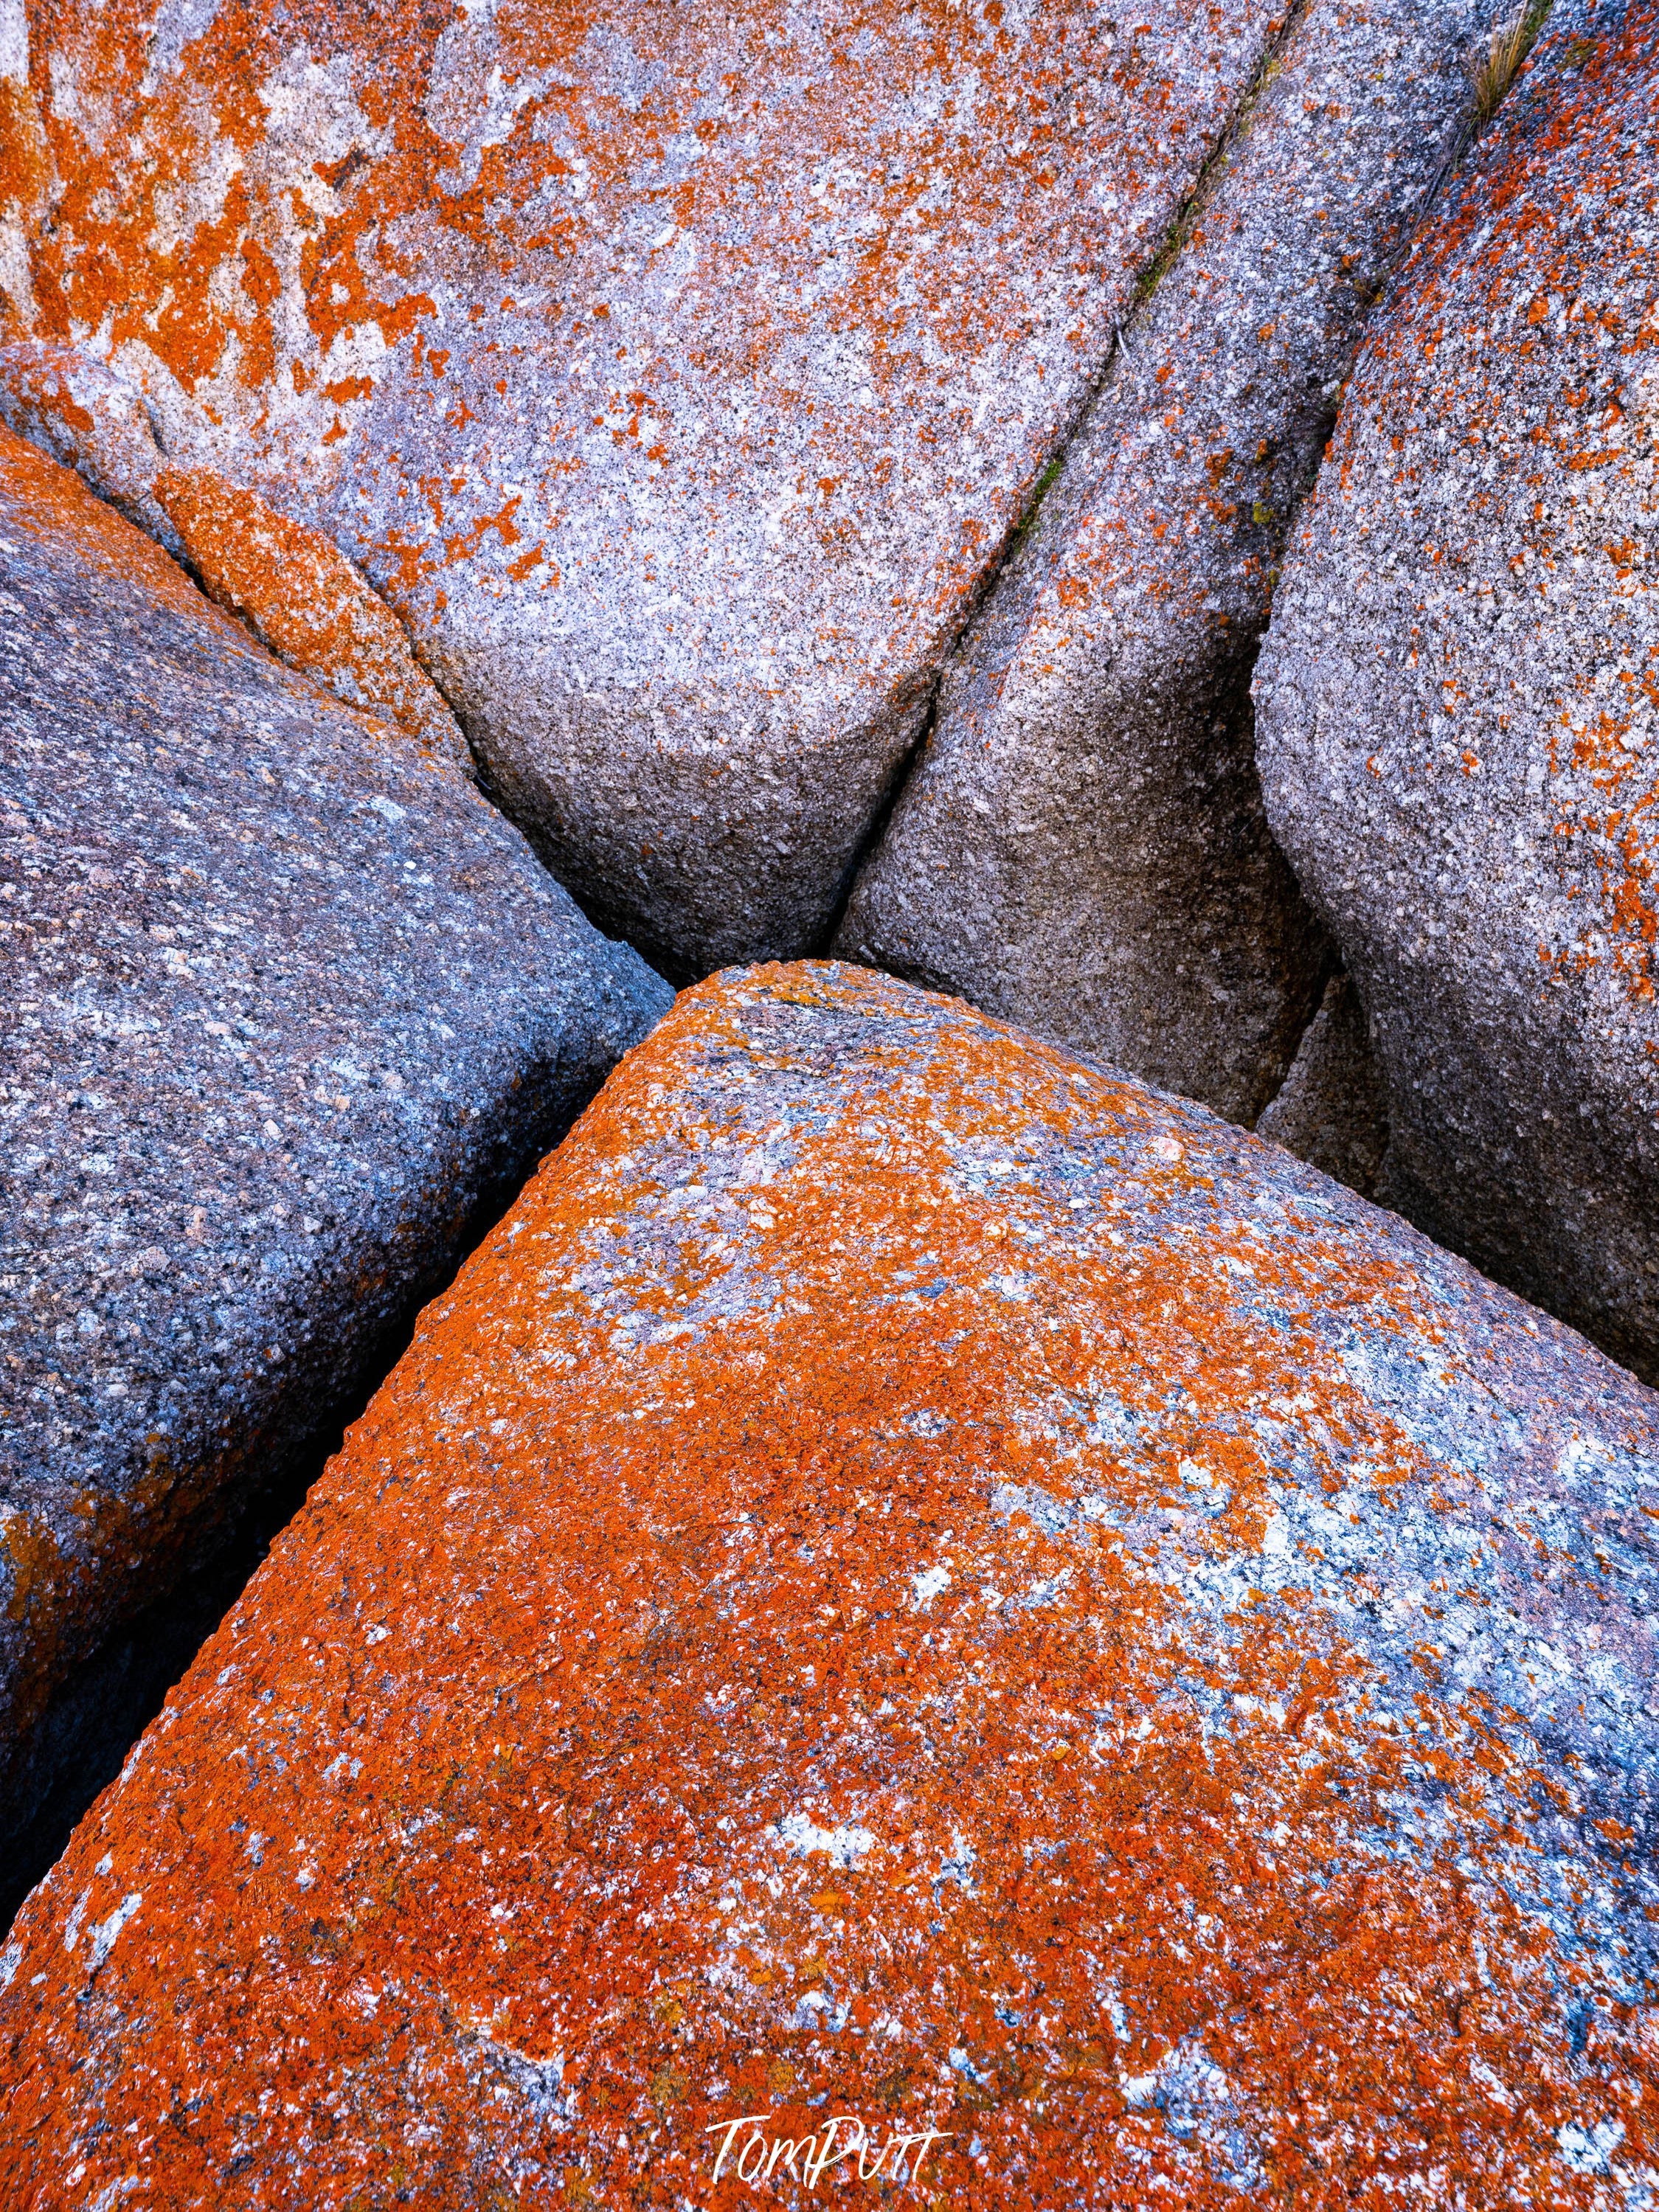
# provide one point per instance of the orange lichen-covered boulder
(677, 372)
(1458, 703)
(301, 597)
(920, 1617)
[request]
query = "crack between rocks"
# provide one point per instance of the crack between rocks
(1164, 257)
(108, 1703)
(1464, 140)
(876, 827)
(180, 557)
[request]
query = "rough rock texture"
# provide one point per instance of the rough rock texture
(1333, 1110)
(1082, 846)
(1457, 701)
(290, 584)
(286, 1005)
(80, 411)
(302, 597)
(678, 373)
(914, 1580)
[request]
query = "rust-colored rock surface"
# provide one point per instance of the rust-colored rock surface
(676, 372)
(1458, 703)
(910, 1585)
(1082, 847)
(301, 597)
(284, 1007)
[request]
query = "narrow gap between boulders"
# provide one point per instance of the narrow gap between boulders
(876, 828)
(1162, 257)
(102, 1710)
(1508, 44)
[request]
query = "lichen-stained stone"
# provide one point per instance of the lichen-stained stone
(915, 1580)
(1082, 847)
(300, 596)
(283, 1004)
(1456, 703)
(677, 372)
(292, 585)
(76, 407)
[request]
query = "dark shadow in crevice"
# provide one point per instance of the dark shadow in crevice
(96, 1718)
(876, 827)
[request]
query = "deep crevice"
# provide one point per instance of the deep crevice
(876, 827)
(100, 1713)
(1146, 282)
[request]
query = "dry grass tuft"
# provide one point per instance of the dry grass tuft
(1510, 42)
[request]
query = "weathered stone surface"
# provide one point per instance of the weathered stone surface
(1333, 1110)
(678, 373)
(285, 1005)
(1457, 702)
(292, 585)
(1082, 846)
(81, 412)
(302, 597)
(912, 1579)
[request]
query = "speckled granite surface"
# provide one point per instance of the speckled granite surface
(285, 1003)
(1082, 847)
(677, 372)
(1458, 703)
(913, 1580)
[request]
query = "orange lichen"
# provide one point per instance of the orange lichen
(303, 598)
(805, 1631)
(50, 501)
(902, 236)
(1542, 259)
(25, 161)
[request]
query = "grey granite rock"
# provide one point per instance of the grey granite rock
(1457, 700)
(1082, 846)
(678, 374)
(1331, 1109)
(287, 1009)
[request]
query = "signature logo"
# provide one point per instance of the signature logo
(758, 2157)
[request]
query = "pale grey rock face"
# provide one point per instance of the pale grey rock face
(1082, 846)
(1457, 700)
(678, 376)
(1331, 1109)
(286, 1008)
